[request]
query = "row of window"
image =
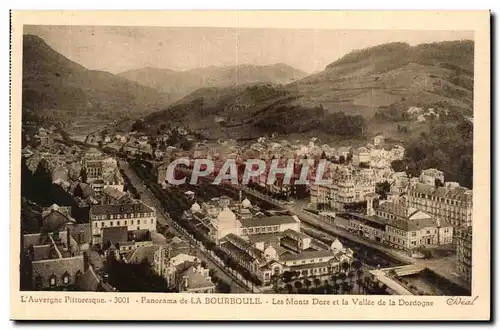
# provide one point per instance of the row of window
(440, 199)
(118, 223)
(257, 230)
(397, 240)
(53, 279)
(123, 216)
(304, 261)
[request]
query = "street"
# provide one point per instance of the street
(148, 198)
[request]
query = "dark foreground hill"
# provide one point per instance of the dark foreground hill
(53, 83)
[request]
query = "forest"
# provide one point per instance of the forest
(447, 146)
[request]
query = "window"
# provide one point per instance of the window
(111, 223)
(52, 280)
(118, 223)
(303, 262)
(96, 224)
(413, 234)
(102, 224)
(65, 278)
(125, 222)
(152, 221)
(138, 222)
(131, 222)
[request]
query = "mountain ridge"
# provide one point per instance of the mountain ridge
(181, 83)
(360, 83)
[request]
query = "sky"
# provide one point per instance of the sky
(117, 49)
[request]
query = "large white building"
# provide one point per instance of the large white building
(410, 228)
(349, 185)
(133, 216)
(453, 204)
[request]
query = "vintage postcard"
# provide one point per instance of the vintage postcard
(251, 165)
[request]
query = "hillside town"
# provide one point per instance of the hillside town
(99, 215)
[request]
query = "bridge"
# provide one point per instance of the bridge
(404, 270)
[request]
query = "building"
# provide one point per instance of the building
(350, 186)
(221, 216)
(378, 140)
(369, 227)
(110, 195)
(464, 253)
(182, 271)
(409, 228)
(55, 218)
(451, 204)
(54, 260)
(269, 255)
(133, 216)
(93, 170)
(361, 156)
(432, 177)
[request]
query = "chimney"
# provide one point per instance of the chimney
(68, 241)
(370, 211)
(85, 262)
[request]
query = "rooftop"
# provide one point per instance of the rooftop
(308, 255)
(268, 221)
(115, 234)
(120, 209)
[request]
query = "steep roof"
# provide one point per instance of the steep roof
(89, 281)
(120, 209)
(57, 267)
(141, 253)
(196, 280)
(113, 193)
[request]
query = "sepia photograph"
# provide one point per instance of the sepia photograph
(296, 166)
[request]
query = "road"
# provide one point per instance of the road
(163, 218)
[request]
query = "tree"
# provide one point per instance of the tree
(336, 288)
(307, 283)
(138, 125)
(383, 188)
(346, 287)
(359, 282)
(275, 281)
(328, 288)
(351, 275)
(317, 282)
(298, 285)
(289, 287)
(345, 266)
(342, 277)
(286, 276)
(356, 264)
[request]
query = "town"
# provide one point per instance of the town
(98, 214)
